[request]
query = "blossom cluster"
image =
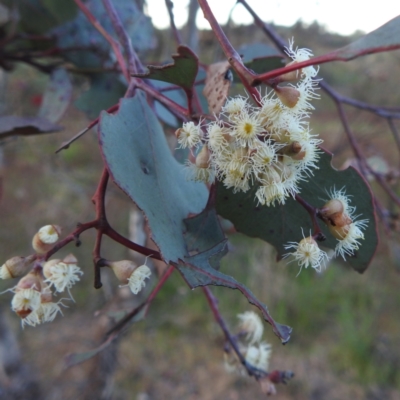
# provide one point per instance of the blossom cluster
(33, 294)
(255, 351)
(270, 145)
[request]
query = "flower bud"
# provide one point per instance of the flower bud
(70, 259)
(332, 207)
(46, 295)
(339, 232)
(292, 75)
(203, 158)
(288, 95)
(294, 150)
(45, 238)
(333, 213)
(122, 269)
(15, 267)
(33, 280)
(340, 219)
(131, 275)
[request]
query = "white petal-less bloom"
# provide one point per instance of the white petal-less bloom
(270, 193)
(350, 241)
(246, 128)
(251, 324)
(238, 179)
(307, 254)
(62, 275)
(189, 135)
(264, 156)
(271, 189)
(45, 313)
(25, 301)
(235, 159)
(290, 179)
(299, 55)
(234, 107)
(258, 356)
(310, 156)
(136, 281)
(217, 137)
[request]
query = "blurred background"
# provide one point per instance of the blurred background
(346, 341)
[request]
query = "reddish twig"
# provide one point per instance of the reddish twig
(134, 64)
(213, 303)
(179, 111)
(66, 144)
(313, 212)
(114, 45)
(282, 45)
(177, 35)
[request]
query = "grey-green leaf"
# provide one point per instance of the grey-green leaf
(57, 96)
(141, 164)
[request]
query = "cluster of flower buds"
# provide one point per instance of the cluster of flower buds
(33, 296)
(339, 216)
(255, 351)
(129, 274)
(269, 145)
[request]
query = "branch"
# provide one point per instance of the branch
(313, 212)
(177, 35)
(282, 45)
(245, 75)
(213, 303)
(134, 64)
(66, 144)
(115, 46)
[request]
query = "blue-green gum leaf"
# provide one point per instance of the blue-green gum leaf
(139, 160)
(140, 163)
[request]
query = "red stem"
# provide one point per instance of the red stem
(115, 46)
(66, 144)
(175, 108)
(245, 75)
(313, 212)
(134, 64)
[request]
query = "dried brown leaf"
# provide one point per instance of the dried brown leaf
(217, 86)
